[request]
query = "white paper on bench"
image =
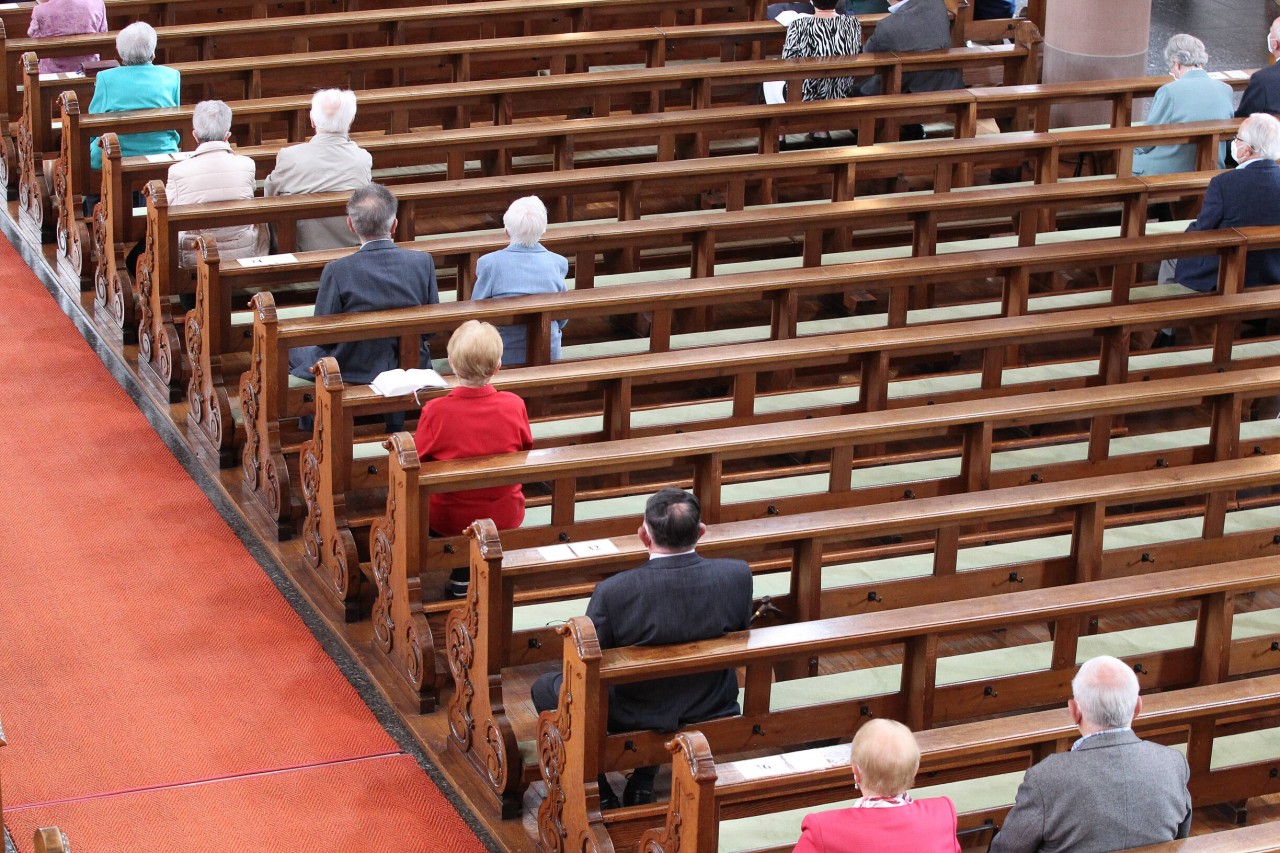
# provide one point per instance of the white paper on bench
(60, 75)
(593, 548)
(556, 553)
(268, 260)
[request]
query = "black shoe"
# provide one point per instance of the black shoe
(639, 792)
(1163, 340)
(608, 799)
(459, 583)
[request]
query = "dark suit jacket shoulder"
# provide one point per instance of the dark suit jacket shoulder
(916, 25)
(1262, 95)
(675, 599)
(1113, 792)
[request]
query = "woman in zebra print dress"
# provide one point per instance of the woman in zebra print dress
(824, 34)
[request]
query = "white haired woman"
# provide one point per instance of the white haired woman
(1192, 96)
(525, 267)
(215, 173)
(136, 85)
(884, 758)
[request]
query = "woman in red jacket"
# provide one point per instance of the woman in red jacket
(884, 758)
(474, 419)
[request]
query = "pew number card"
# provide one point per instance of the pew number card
(555, 553)
(594, 548)
(577, 550)
(267, 260)
(805, 761)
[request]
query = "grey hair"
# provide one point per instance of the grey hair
(372, 209)
(1106, 692)
(1187, 51)
(333, 110)
(526, 220)
(1261, 132)
(211, 121)
(136, 44)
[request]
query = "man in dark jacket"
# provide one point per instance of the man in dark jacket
(1247, 195)
(915, 25)
(1263, 92)
(675, 597)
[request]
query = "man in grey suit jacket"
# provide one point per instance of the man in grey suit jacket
(1112, 791)
(378, 277)
(914, 25)
(676, 597)
(327, 162)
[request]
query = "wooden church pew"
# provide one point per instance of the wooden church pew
(265, 385)
(342, 488)
(50, 839)
(707, 791)
(740, 177)
(777, 712)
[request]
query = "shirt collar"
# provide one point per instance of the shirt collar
(467, 391)
(1081, 740)
(216, 145)
(1249, 162)
(893, 7)
(653, 556)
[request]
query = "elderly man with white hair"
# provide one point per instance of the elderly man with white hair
(1113, 790)
(327, 162)
(1192, 96)
(525, 267)
(1247, 195)
(136, 84)
(214, 172)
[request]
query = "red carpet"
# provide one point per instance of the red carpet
(142, 646)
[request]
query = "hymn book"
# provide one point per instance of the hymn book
(395, 383)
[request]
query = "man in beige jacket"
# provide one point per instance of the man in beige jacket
(327, 162)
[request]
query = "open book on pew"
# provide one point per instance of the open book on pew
(394, 383)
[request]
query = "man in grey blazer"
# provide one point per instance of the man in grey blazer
(327, 162)
(675, 597)
(1112, 791)
(377, 277)
(914, 25)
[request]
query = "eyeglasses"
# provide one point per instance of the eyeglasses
(1241, 141)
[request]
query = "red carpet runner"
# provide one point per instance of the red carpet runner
(156, 691)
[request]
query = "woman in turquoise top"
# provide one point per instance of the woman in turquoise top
(136, 85)
(1192, 96)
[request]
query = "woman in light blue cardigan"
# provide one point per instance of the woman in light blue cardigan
(1192, 96)
(523, 268)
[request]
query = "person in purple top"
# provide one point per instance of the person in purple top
(66, 18)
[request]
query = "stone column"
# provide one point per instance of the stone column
(1094, 40)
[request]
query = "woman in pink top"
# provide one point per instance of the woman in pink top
(884, 758)
(66, 18)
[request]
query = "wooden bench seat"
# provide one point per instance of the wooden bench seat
(698, 133)
(923, 219)
(707, 794)
(917, 697)
(345, 473)
(50, 839)
(499, 101)
(269, 408)
(159, 277)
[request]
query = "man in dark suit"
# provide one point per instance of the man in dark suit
(1247, 195)
(1263, 92)
(1112, 791)
(676, 597)
(914, 25)
(377, 277)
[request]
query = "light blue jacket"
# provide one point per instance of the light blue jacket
(520, 271)
(1195, 97)
(136, 87)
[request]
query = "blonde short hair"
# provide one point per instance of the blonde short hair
(475, 351)
(888, 756)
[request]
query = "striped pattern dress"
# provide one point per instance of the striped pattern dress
(814, 36)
